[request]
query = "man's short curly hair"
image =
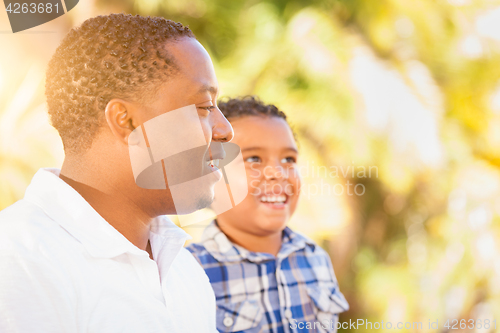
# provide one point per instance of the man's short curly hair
(111, 56)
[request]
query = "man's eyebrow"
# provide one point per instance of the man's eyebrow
(206, 87)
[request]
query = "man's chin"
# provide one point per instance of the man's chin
(194, 204)
(206, 200)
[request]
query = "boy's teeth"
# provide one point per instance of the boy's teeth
(273, 198)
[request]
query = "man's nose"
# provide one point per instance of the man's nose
(222, 131)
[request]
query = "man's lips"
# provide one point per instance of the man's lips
(214, 163)
(213, 159)
(215, 153)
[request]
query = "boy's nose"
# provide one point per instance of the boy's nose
(222, 131)
(272, 172)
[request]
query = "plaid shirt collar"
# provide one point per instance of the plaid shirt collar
(222, 249)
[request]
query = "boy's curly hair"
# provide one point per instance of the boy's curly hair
(233, 108)
(111, 56)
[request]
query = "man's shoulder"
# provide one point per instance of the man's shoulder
(22, 217)
(26, 228)
(185, 264)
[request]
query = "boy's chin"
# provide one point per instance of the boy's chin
(275, 217)
(273, 224)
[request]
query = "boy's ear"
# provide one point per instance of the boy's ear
(121, 118)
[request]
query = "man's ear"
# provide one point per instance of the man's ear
(120, 116)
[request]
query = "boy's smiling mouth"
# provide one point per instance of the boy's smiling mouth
(275, 201)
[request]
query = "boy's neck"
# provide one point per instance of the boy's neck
(270, 243)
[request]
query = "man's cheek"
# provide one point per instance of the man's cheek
(207, 130)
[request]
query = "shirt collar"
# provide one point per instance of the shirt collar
(70, 210)
(222, 249)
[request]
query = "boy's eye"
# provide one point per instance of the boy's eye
(289, 160)
(253, 159)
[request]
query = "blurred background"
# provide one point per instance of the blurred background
(401, 98)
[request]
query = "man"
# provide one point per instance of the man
(87, 249)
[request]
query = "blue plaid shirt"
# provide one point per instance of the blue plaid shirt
(296, 291)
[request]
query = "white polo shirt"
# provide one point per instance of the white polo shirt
(64, 269)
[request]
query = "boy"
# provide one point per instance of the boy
(266, 277)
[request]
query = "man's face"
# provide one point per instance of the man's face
(194, 83)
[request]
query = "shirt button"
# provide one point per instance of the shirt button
(288, 313)
(228, 321)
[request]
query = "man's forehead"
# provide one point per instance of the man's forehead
(195, 73)
(189, 55)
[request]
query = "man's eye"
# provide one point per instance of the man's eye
(208, 108)
(253, 159)
(289, 160)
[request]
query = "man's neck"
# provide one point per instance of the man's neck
(115, 207)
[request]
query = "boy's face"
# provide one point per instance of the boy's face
(270, 154)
